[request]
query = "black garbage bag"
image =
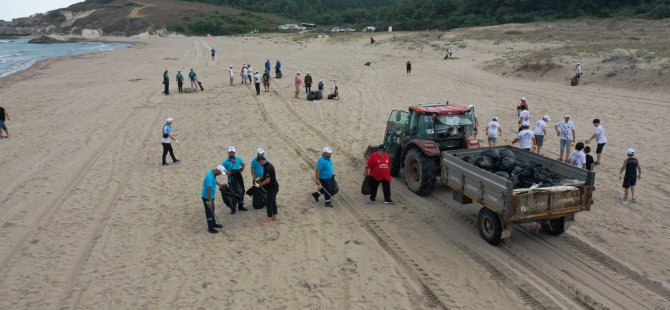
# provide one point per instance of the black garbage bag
(334, 188)
(466, 158)
(515, 181)
(259, 196)
(502, 174)
(485, 163)
(505, 153)
(506, 164)
(492, 153)
(237, 184)
(311, 96)
(365, 188)
(230, 199)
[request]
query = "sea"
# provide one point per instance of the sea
(18, 54)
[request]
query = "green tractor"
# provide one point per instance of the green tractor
(416, 138)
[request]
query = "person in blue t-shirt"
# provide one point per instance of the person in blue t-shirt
(194, 78)
(278, 69)
(209, 187)
(256, 167)
(180, 82)
(267, 65)
(235, 165)
(324, 176)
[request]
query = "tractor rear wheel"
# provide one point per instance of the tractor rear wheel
(420, 171)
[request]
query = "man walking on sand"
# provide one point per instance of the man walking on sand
(243, 74)
(180, 82)
(600, 137)
(378, 169)
(633, 173)
(409, 67)
(324, 177)
(566, 131)
(266, 80)
(209, 186)
(250, 73)
(308, 83)
(493, 131)
(541, 132)
(167, 141)
(267, 65)
(298, 83)
(235, 166)
(193, 77)
(166, 83)
(271, 185)
(526, 138)
(257, 82)
(232, 74)
(4, 116)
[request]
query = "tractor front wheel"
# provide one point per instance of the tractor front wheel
(420, 171)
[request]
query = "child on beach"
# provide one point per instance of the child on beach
(589, 158)
(633, 173)
(577, 157)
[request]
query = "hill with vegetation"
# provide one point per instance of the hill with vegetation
(447, 14)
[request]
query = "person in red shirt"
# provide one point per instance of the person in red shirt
(378, 168)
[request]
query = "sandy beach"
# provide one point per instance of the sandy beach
(89, 219)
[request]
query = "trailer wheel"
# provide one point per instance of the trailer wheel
(420, 171)
(554, 227)
(490, 227)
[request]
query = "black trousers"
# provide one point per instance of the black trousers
(209, 213)
(258, 88)
(167, 147)
(326, 188)
(180, 85)
(308, 88)
(386, 187)
(167, 88)
(272, 202)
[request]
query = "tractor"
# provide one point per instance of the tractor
(416, 138)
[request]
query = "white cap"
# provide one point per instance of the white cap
(546, 118)
(231, 66)
(579, 63)
(221, 169)
(231, 149)
(298, 72)
(307, 72)
(169, 120)
(523, 98)
(630, 152)
(495, 118)
(320, 80)
(256, 71)
(260, 151)
(567, 116)
(328, 150)
(470, 106)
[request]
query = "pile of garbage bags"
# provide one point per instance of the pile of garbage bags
(504, 164)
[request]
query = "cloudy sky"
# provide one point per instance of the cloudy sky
(23, 8)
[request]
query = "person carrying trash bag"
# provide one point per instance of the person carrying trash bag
(208, 193)
(235, 165)
(378, 170)
(325, 178)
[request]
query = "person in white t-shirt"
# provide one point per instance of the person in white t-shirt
(600, 138)
(566, 131)
(167, 139)
(493, 131)
(577, 157)
(245, 74)
(230, 72)
(526, 138)
(541, 132)
(524, 116)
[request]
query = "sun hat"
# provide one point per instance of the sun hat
(169, 120)
(328, 150)
(630, 152)
(231, 149)
(260, 151)
(546, 118)
(221, 169)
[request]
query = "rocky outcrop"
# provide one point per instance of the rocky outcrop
(15, 31)
(53, 39)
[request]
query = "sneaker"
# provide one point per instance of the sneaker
(242, 208)
(316, 196)
(166, 164)
(389, 202)
(218, 226)
(624, 201)
(233, 211)
(328, 204)
(373, 199)
(176, 161)
(213, 231)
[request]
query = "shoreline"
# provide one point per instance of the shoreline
(42, 64)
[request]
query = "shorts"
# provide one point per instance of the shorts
(565, 145)
(599, 148)
(493, 139)
(526, 150)
(2, 125)
(539, 139)
(629, 181)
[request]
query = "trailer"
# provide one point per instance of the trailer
(552, 207)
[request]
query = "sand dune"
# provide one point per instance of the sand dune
(89, 218)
